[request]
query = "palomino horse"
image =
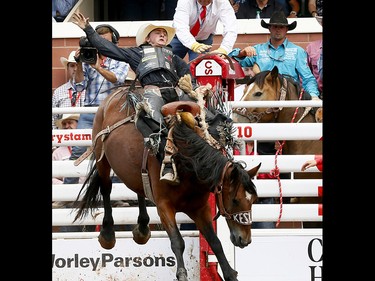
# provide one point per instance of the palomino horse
(202, 170)
(269, 86)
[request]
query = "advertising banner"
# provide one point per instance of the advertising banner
(86, 260)
(282, 258)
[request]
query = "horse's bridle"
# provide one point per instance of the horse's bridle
(255, 117)
(244, 217)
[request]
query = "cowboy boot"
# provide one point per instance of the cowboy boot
(168, 170)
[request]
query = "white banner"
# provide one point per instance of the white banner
(86, 260)
(282, 257)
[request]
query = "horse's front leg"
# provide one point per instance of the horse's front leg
(107, 237)
(141, 232)
(203, 221)
(168, 220)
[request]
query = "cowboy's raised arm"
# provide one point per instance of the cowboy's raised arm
(104, 46)
(80, 20)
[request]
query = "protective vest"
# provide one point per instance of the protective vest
(154, 59)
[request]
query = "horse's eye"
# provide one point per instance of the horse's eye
(258, 94)
(235, 202)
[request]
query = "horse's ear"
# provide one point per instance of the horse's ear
(252, 172)
(274, 71)
(273, 75)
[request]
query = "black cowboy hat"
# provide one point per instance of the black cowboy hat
(278, 18)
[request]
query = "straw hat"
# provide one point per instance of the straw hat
(65, 61)
(145, 30)
(65, 117)
(278, 18)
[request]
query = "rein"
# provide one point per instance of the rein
(243, 218)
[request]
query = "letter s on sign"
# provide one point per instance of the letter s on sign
(208, 65)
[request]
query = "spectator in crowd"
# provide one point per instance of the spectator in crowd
(317, 161)
(290, 58)
(68, 121)
(61, 8)
(157, 79)
(252, 9)
(315, 7)
(236, 5)
(196, 21)
(140, 10)
(314, 52)
(169, 9)
(290, 7)
(68, 94)
(98, 78)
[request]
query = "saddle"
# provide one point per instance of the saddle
(185, 111)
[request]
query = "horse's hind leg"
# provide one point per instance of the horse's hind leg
(107, 237)
(141, 232)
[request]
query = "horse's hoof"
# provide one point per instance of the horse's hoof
(139, 237)
(232, 276)
(181, 274)
(106, 244)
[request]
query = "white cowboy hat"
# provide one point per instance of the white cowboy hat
(65, 61)
(145, 30)
(65, 117)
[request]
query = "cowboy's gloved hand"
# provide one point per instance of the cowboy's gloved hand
(185, 84)
(200, 48)
(309, 108)
(312, 98)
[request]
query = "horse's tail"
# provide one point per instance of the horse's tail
(91, 196)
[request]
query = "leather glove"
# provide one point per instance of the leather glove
(184, 83)
(200, 48)
(308, 108)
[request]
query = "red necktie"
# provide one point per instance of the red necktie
(195, 29)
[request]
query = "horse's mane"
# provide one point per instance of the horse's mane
(195, 156)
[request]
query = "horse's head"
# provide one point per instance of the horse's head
(203, 168)
(264, 86)
(235, 201)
